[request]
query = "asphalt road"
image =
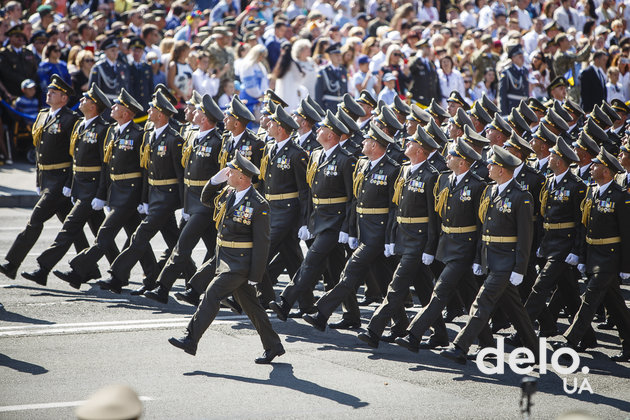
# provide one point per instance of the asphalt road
(58, 345)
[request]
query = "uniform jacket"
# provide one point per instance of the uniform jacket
(15, 67)
(309, 144)
(165, 163)
(531, 180)
(395, 152)
(111, 80)
(201, 164)
(353, 144)
(89, 150)
(513, 86)
(481, 169)
(331, 85)
(425, 84)
(249, 145)
(438, 162)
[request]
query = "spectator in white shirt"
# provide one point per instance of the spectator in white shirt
(202, 81)
(613, 86)
(450, 79)
(566, 16)
(428, 13)
(524, 19)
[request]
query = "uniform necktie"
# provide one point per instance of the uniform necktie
(274, 150)
(231, 200)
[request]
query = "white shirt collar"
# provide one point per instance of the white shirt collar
(558, 178)
(375, 162)
(584, 168)
(303, 137)
(603, 188)
(502, 186)
(202, 134)
(518, 170)
(416, 166)
(53, 113)
(459, 177)
(158, 131)
(330, 151)
(86, 123)
(541, 162)
(341, 143)
(364, 123)
(235, 139)
(121, 128)
(280, 145)
(240, 194)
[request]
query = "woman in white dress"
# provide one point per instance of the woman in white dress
(295, 74)
(450, 79)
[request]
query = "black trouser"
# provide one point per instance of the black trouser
(325, 248)
(116, 219)
(601, 287)
(80, 214)
(284, 241)
(197, 227)
(410, 272)
(201, 279)
(47, 206)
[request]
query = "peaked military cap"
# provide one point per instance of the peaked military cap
(351, 107)
(605, 158)
(527, 113)
(379, 135)
(347, 120)
(474, 138)
(516, 120)
(556, 121)
(401, 107)
(519, 143)
(268, 108)
(544, 134)
(58, 83)
(137, 42)
(96, 95)
(418, 114)
(490, 107)
(437, 111)
(334, 48)
(210, 108)
(557, 82)
(388, 118)
(515, 50)
(600, 117)
(434, 130)
(586, 142)
(503, 158)
(573, 107)
(367, 98)
(462, 149)
(125, 99)
(619, 106)
(316, 106)
(457, 98)
(595, 131)
(563, 150)
(461, 119)
(478, 112)
(499, 124)
(163, 105)
(16, 30)
(536, 105)
(109, 42)
(195, 99)
(332, 123)
(166, 92)
(379, 107)
(563, 113)
(306, 111)
(424, 139)
(239, 111)
(610, 111)
(241, 164)
(38, 35)
(281, 117)
(551, 26)
(272, 96)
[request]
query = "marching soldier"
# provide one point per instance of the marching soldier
(489, 106)
(577, 114)
(497, 132)
(306, 117)
(539, 109)
(353, 111)
(455, 102)
(417, 116)
(623, 110)
(238, 137)
(87, 146)
(374, 179)
(51, 135)
(586, 149)
(543, 140)
(162, 193)
(440, 138)
(593, 129)
(514, 82)
(479, 117)
(346, 141)
(200, 160)
(623, 178)
(401, 110)
(110, 74)
(332, 81)
(242, 248)
(506, 235)
(529, 115)
(122, 174)
(415, 233)
(518, 124)
(368, 103)
(478, 143)
(457, 123)
(457, 198)
(387, 121)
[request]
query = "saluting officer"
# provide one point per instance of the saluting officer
(415, 237)
(51, 135)
(457, 198)
(162, 193)
(606, 256)
(87, 146)
(242, 248)
(200, 160)
(110, 74)
(374, 179)
(329, 174)
(123, 193)
(506, 236)
(332, 81)
(514, 82)
(306, 117)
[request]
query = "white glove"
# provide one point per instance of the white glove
(252, 283)
(304, 234)
(353, 243)
(538, 253)
(582, 268)
(571, 259)
(38, 190)
(427, 259)
(343, 238)
(97, 204)
(73, 200)
(107, 209)
(66, 191)
(389, 250)
(145, 208)
(185, 216)
(477, 270)
(141, 209)
(624, 276)
(516, 278)
(220, 177)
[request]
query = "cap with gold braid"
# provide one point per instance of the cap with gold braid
(281, 117)
(544, 134)
(388, 118)
(557, 82)
(351, 107)
(457, 98)
(434, 130)
(499, 124)
(210, 108)
(517, 122)
(272, 96)
(527, 113)
(490, 107)
(619, 106)
(419, 115)
(478, 112)
(125, 99)
(461, 119)
(586, 142)
(316, 106)
(503, 158)
(347, 120)
(195, 99)
(520, 144)
(475, 139)
(379, 136)
(595, 131)
(556, 121)
(437, 112)
(241, 164)
(57, 83)
(563, 150)
(562, 112)
(239, 111)
(600, 117)
(401, 107)
(166, 92)
(608, 160)
(332, 123)
(424, 139)
(306, 111)
(367, 98)
(610, 112)
(96, 95)
(163, 105)
(573, 108)
(462, 149)
(536, 105)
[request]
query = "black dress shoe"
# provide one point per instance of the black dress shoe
(624, 356)
(455, 354)
(450, 315)
(369, 338)
(160, 294)
(366, 301)
(9, 270)
(281, 309)
(143, 290)
(94, 274)
(432, 343)
(189, 296)
(608, 325)
(409, 342)
(185, 343)
(299, 313)
(316, 321)
(391, 336)
(39, 276)
(344, 324)
(69, 277)
(232, 304)
(269, 355)
(110, 284)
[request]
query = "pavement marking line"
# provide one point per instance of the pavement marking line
(90, 324)
(44, 406)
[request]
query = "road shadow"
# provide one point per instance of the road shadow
(282, 376)
(22, 366)
(15, 317)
